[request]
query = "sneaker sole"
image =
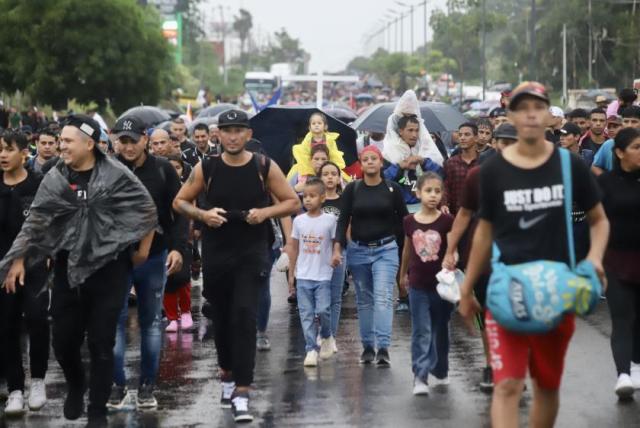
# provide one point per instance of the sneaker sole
(146, 405)
(625, 392)
(225, 405)
(383, 364)
(36, 408)
(243, 418)
(421, 393)
(15, 413)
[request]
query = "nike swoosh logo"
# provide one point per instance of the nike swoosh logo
(526, 224)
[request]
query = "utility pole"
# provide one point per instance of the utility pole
(426, 52)
(396, 34)
(532, 31)
(401, 32)
(484, 49)
(411, 14)
(564, 65)
(224, 48)
(590, 54)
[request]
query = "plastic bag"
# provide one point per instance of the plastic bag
(449, 284)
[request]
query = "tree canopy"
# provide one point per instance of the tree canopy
(87, 50)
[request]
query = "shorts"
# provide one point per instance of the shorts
(543, 354)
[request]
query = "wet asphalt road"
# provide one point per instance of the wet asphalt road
(340, 392)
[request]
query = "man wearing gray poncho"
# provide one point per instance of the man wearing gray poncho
(94, 219)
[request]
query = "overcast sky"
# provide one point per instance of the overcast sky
(332, 31)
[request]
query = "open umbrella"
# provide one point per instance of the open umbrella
(148, 114)
(281, 127)
(342, 114)
(438, 117)
(216, 109)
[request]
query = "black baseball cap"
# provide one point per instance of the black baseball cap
(85, 124)
(233, 117)
(531, 89)
(130, 126)
(506, 131)
(571, 128)
(497, 112)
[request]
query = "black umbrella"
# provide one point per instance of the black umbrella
(149, 114)
(438, 117)
(216, 109)
(340, 113)
(281, 127)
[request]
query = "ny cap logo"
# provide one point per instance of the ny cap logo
(126, 125)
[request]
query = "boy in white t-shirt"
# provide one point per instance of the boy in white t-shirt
(315, 254)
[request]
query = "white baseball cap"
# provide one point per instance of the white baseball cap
(556, 111)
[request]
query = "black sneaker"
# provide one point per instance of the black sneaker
(368, 355)
(240, 408)
(227, 393)
(74, 403)
(382, 358)
(118, 397)
(486, 385)
(146, 399)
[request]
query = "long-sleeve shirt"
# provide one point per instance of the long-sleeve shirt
(407, 178)
(162, 182)
(455, 172)
(375, 212)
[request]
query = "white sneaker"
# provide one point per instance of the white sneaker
(437, 382)
(172, 327)
(624, 386)
(335, 345)
(311, 360)
(635, 375)
(419, 387)
(15, 404)
(326, 348)
(37, 394)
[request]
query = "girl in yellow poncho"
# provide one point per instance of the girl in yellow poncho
(318, 134)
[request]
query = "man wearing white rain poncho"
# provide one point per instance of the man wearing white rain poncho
(408, 151)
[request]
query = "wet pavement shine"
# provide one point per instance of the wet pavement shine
(341, 392)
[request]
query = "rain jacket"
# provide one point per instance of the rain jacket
(302, 155)
(119, 212)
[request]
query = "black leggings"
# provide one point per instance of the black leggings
(33, 301)
(234, 300)
(624, 305)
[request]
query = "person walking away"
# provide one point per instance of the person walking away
(89, 214)
(312, 262)
(235, 232)
(467, 219)
(17, 190)
(329, 173)
(621, 200)
(527, 226)
(374, 207)
(424, 248)
(165, 258)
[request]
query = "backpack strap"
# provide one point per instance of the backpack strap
(263, 164)
(209, 166)
(565, 165)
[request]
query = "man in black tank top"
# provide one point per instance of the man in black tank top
(237, 186)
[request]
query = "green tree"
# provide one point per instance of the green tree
(284, 49)
(87, 50)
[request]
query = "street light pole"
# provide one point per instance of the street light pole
(411, 13)
(401, 32)
(484, 49)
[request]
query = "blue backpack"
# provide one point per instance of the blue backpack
(533, 297)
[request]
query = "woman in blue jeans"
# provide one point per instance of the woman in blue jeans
(375, 208)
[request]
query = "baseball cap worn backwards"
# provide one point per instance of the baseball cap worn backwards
(85, 124)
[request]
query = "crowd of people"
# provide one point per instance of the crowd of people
(88, 216)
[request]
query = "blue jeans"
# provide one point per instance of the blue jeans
(430, 317)
(314, 298)
(337, 283)
(264, 300)
(374, 274)
(148, 279)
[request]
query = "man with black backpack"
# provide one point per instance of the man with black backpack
(237, 187)
(165, 258)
